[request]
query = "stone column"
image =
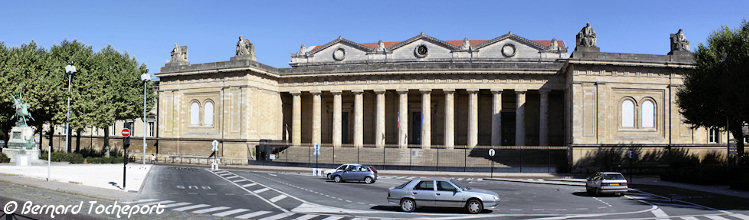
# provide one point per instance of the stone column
(358, 118)
(336, 118)
(520, 118)
(496, 117)
(296, 119)
(316, 117)
(543, 122)
(380, 119)
(402, 118)
(473, 117)
(426, 118)
(449, 118)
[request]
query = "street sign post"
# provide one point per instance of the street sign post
(491, 154)
(125, 144)
(317, 152)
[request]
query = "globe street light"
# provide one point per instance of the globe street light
(145, 77)
(69, 69)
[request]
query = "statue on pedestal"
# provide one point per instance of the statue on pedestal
(179, 55)
(586, 40)
(21, 144)
(245, 50)
(679, 43)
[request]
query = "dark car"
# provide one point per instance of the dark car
(367, 174)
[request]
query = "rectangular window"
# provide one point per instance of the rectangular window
(713, 136)
(150, 129)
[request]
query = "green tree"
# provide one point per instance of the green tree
(716, 93)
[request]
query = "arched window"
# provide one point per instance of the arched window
(195, 113)
(628, 114)
(648, 114)
(208, 114)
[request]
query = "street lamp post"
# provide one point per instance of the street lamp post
(145, 77)
(69, 69)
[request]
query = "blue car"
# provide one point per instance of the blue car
(367, 174)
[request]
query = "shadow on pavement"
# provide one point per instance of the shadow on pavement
(441, 210)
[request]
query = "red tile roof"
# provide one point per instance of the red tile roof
(547, 43)
(387, 44)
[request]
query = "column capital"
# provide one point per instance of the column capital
(544, 90)
(401, 90)
(472, 90)
(425, 90)
(295, 92)
(315, 92)
(448, 90)
(336, 92)
(379, 91)
(496, 90)
(521, 90)
(357, 91)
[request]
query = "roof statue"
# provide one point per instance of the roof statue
(679, 42)
(22, 110)
(302, 50)
(245, 49)
(179, 54)
(586, 37)
(380, 47)
(466, 44)
(554, 44)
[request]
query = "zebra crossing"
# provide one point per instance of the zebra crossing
(731, 216)
(230, 212)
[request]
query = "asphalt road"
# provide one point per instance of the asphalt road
(274, 195)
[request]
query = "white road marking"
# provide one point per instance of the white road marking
(278, 216)
(230, 212)
(211, 209)
(251, 184)
(279, 197)
(177, 204)
(253, 214)
(333, 217)
(659, 213)
(260, 190)
(191, 207)
(740, 216)
(139, 201)
(306, 217)
(715, 217)
(242, 180)
(154, 203)
(689, 218)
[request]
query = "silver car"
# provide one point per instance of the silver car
(367, 174)
(606, 182)
(437, 192)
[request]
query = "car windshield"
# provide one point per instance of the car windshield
(459, 186)
(613, 176)
(341, 167)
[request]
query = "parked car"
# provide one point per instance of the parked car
(606, 182)
(436, 192)
(341, 167)
(367, 174)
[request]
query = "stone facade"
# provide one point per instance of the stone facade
(428, 93)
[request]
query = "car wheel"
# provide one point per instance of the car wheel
(588, 190)
(338, 179)
(408, 205)
(474, 206)
(368, 180)
(327, 176)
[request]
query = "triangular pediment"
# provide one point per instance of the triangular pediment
(342, 41)
(426, 38)
(512, 37)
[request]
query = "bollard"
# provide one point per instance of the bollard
(314, 172)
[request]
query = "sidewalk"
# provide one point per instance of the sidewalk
(104, 176)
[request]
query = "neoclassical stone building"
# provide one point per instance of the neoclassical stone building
(425, 92)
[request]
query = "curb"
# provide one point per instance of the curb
(566, 183)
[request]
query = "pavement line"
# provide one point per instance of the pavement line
(258, 196)
(659, 213)
(253, 214)
(154, 203)
(689, 218)
(251, 184)
(139, 201)
(211, 209)
(715, 217)
(740, 216)
(260, 190)
(333, 217)
(306, 217)
(177, 204)
(278, 216)
(242, 180)
(190, 207)
(230, 212)
(279, 197)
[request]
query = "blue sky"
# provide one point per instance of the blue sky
(149, 29)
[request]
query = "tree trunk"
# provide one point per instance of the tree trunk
(40, 128)
(51, 134)
(106, 141)
(78, 140)
(738, 135)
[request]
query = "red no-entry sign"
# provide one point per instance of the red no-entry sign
(125, 132)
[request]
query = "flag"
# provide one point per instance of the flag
(399, 120)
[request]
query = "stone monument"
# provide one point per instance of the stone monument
(179, 56)
(585, 41)
(679, 44)
(245, 50)
(21, 148)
